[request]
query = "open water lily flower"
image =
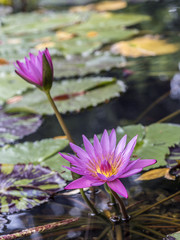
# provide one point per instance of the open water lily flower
(105, 162)
(37, 70)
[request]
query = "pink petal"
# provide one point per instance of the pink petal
(89, 148)
(98, 148)
(48, 56)
(79, 151)
(141, 163)
(120, 147)
(69, 159)
(130, 173)
(112, 140)
(105, 144)
(82, 182)
(118, 187)
(130, 148)
(73, 169)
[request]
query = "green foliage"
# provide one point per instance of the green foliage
(11, 85)
(80, 66)
(31, 152)
(154, 140)
(73, 95)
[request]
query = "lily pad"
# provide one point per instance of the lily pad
(144, 46)
(37, 22)
(25, 186)
(11, 85)
(173, 236)
(108, 21)
(154, 142)
(79, 66)
(70, 96)
(16, 126)
(31, 152)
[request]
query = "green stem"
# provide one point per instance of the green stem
(154, 205)
(91, 206)
(116, 208)
(121, 205)
(58, 115)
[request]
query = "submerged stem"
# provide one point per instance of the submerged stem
(116, 208)
(121, 205)
(58, 115)
(91, 206)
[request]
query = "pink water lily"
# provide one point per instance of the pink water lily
(105, 162)
(37, 70)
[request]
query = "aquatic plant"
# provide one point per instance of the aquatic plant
(105, 162)
(38, 70)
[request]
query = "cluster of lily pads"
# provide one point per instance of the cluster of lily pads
(83, 42)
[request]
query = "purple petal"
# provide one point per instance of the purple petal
(89, 148)
(73, 169)
(130, 173)
(82, 182)
(48, 56)
(69, 158)
(130, 148)
(79, 151)
(98, 148)
(105, 144)
(141, 163)
(112, 140)
(118, 187)
(120, 147)
(102, 177)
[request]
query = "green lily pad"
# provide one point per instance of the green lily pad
(37, 22)
(173, 236)
(16, 126)
(70, 96)
(31, 152)
(11, 85)
(108, 21)
(55, 163)
(154, 141)
(79, 66)
(25, 186)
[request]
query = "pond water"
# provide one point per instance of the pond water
(148, 81)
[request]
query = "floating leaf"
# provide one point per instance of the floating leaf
(16, 126)
(97, 90)
(154, 142)
(173, 236)
(154, 174)
(144, 46)
(108, 21)
(37, 22)
(56, 163)
(79, 66)
(11, 84)
(31, 152)
(102, 6)
(25, 186)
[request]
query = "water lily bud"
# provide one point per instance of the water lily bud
(38, 70)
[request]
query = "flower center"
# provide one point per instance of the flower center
(106, 169)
